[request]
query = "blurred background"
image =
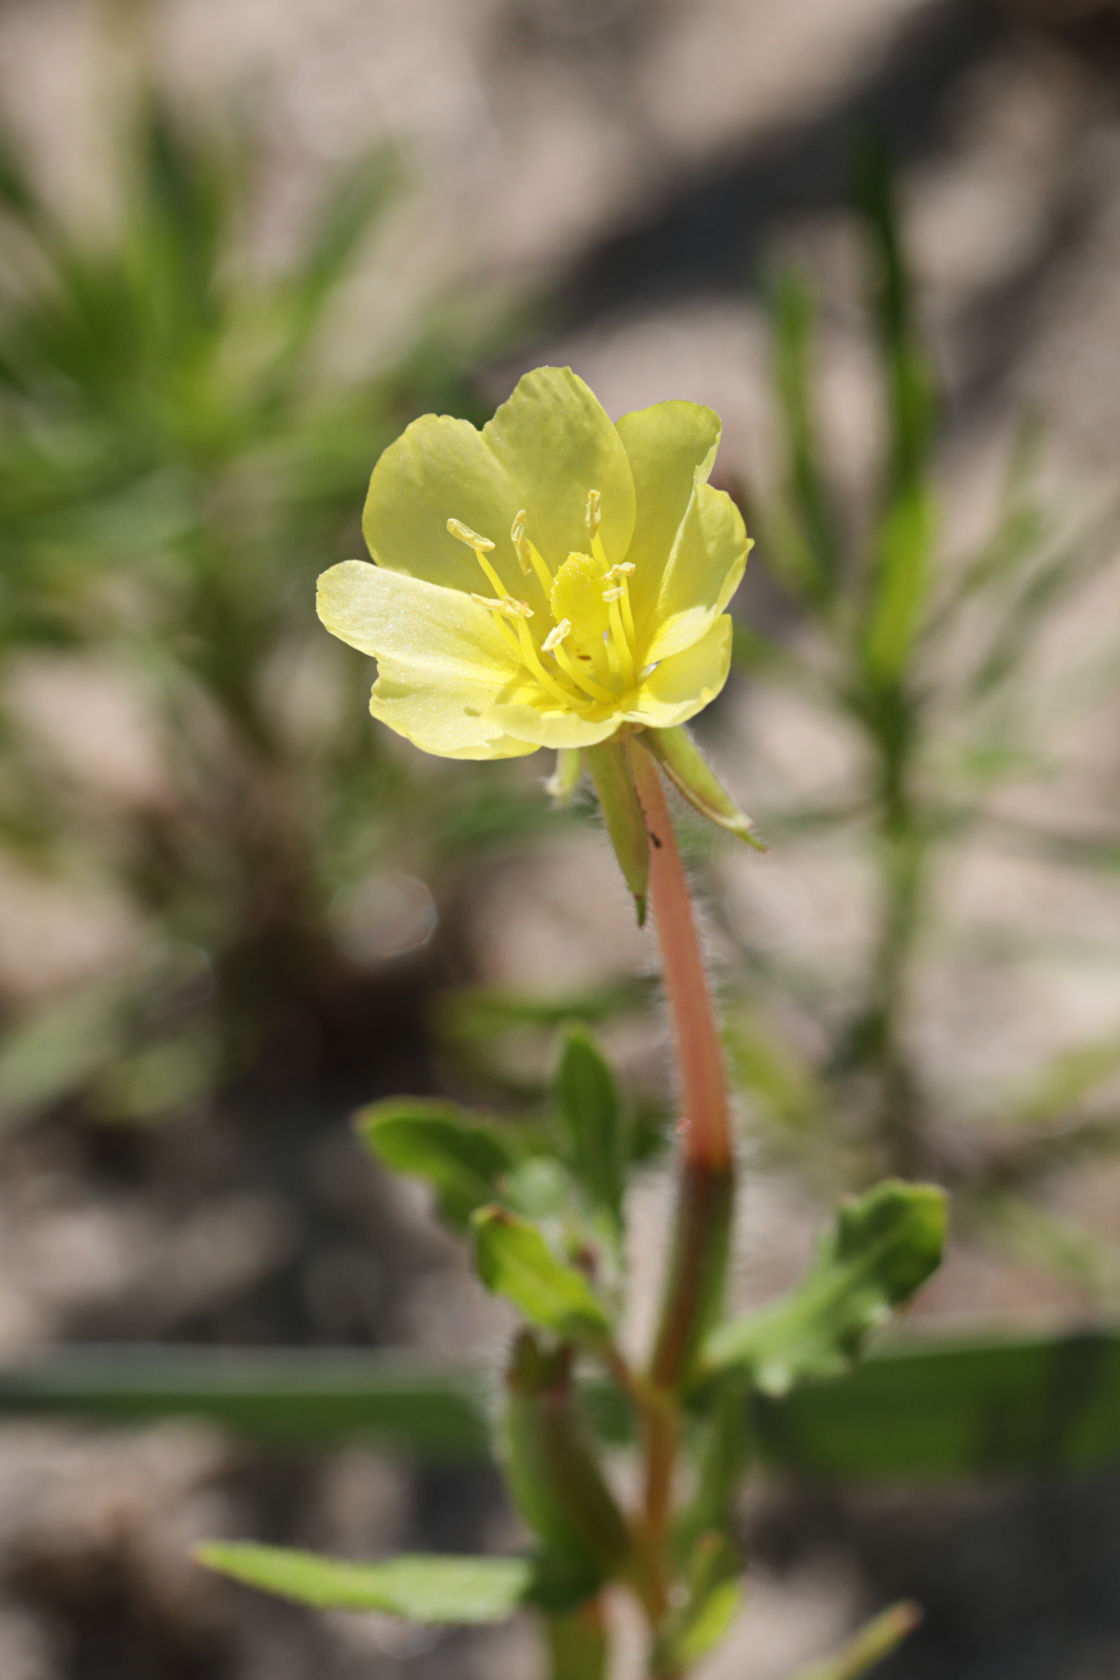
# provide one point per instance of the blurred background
(240, 247)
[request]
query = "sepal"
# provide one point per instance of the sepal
(692, 776)
(609, 768)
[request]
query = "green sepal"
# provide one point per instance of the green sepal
(513, 1259)
(553, 1471)
(609, 768)
(562, 784)
(714, 1597)
(883, 1246)
(693, 776)
(461, 1155)
(416, 1588)
(591, 1112)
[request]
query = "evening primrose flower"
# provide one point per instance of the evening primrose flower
(548, 581)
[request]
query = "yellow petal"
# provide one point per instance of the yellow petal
(441, 469)
(556, 443)
(392, 616)
(671, 447)
(683, 684)
(552, 728)
(703, 573)
(450, 717)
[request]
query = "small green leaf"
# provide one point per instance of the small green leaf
(876, 1640)
(592, 1114)
(884, 1245)
(461, 1156)
(714, 1598)
(418, 1588)
(514, 1260)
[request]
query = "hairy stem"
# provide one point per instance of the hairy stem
(702, 1224)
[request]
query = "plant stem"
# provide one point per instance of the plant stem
(706, 1122)
(705, 1194)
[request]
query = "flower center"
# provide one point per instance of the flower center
(584, 655)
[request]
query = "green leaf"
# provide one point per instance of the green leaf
(418, 1588)
(714, 1597)
(462, 1157)
(514, 1260)
(592, 1114)
(578, 1646)
(876, 1640)
(883, 1247)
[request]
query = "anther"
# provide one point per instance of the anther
(594, 514)
(621, 568)
(556, 635)
(520, 546)
(507, 605)
(616, 593)
(464, 534)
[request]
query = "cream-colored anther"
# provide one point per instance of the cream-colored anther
(517, 538)
(621, 568)
(463, 533)
(556, 635)
(615, 593)
(507, 605)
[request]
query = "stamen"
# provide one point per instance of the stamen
(618, 636)
(556, 635)
(532, 660)
(463, 533)
(528, 555)
(606, 696)
(623, 569)
(506, 605)
(517, 538)
(614, 594)
(594, 513)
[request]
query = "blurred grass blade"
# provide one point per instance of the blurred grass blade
(404, 1404)
(967, 1406)
(884, 1245)
(806, 493)
(869, 1646)
(353, 201)
(1057, 1088)
(910, 390)
(901, 583)
(421, 1589)
(978, 1406)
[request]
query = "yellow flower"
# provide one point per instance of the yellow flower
(546, 580)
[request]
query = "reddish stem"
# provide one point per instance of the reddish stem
(707, 1125)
